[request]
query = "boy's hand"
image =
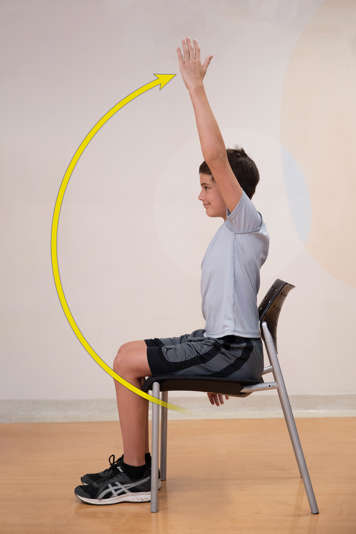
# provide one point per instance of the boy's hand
(216, 397)
(192, 70)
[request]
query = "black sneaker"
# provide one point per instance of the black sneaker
(98, 478)
(119, 488)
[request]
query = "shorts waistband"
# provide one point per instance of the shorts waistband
(230, 338)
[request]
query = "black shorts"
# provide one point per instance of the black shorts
(193, 355)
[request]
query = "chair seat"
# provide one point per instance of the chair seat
(186, 383)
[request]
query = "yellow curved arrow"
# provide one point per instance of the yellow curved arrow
(162, 80)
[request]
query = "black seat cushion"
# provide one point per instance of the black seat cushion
(215, 385)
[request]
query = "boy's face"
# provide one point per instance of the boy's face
(210, 197)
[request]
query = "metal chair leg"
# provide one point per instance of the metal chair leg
(289, 418)
(155, 447)
(164, 413)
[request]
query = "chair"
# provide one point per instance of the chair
(269, 311)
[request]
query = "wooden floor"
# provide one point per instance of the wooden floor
(223, 475)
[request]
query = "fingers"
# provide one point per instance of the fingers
(186, 53)
(212, 397)
(216, 398)
(197, 50)
(191, 52)
(180, 56)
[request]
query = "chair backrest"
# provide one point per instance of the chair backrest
(271, 305)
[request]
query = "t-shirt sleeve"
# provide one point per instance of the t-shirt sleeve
(244, 218)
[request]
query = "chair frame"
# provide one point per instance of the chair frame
(274, 298)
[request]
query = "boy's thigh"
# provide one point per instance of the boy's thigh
(177, 340)
(134, 346)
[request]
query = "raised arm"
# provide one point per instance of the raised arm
(193, 72)
(211, 140)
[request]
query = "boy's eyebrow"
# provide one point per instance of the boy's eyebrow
(204, 183)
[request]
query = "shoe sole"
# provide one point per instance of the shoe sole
(143, 496)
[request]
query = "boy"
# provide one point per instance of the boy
(230, 345)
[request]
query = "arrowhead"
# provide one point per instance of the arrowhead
(164, 78)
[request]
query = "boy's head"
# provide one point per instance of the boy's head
(246, 172)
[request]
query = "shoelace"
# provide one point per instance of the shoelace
(113, 464)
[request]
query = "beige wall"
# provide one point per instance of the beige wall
(132, 232)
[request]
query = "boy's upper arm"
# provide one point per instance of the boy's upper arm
(243, 216)
(228, 186)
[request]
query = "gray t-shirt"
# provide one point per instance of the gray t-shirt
(230, 277)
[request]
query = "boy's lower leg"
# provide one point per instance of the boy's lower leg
(133, 416)
(147, 448)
